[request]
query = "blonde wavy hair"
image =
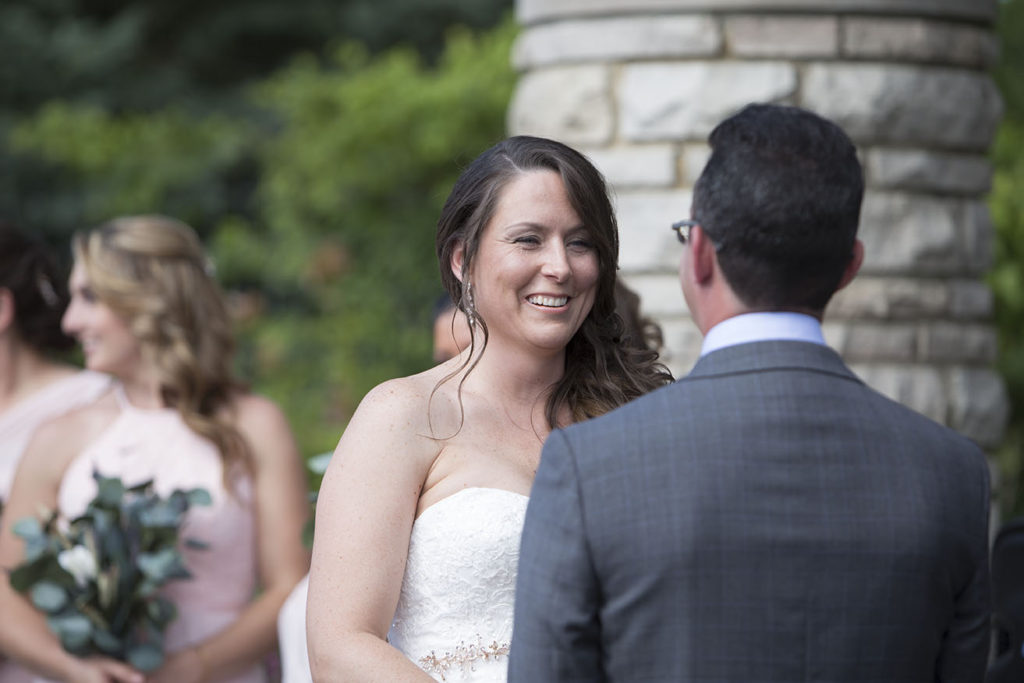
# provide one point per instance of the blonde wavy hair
(153, 272)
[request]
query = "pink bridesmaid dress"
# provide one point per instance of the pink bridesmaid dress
(156, 444)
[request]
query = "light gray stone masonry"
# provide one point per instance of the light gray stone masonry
(920, 387)
(618, 39)
(636, 166)
(911, 298)
(906, 105)
(924, 171)
(536, 11)
(951, 342)
(774, 36)
(646, 242)
(685, 100)
(918, 40)
(571, 104)
(979, 406)
(638, 85)
(906, 233)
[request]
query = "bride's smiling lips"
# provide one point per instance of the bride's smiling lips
(549, 301)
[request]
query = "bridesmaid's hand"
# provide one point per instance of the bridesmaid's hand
(184, 666)
(104, 670)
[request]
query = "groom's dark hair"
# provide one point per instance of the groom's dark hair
(780, 197)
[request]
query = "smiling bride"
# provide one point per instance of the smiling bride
(421, 509)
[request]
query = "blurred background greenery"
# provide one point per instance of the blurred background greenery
(1006, 278)
(312, 143)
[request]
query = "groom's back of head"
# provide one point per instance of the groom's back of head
(780, 196)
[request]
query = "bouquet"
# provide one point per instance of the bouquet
(97, 577)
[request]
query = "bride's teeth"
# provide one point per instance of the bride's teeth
(550, 301)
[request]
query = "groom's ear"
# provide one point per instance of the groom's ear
(6, 308)
(703, 259)
(458, 256)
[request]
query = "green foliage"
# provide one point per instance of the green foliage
(134, 162)
(351, 191)
(1007, 276)
(96, 579)
(328, 247)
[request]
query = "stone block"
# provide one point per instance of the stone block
(979, 233)
(571, 104)
(906, 105)
(891, 298)
(660, 293)
(979, 405)
(646, 241)
(684, 101)
(918, 40)
(682, 345)
(887, 342)
(530, 11)
(618, 38)
(918, 387)
(694, 158)
(970, 299)
(946, 342)
(835, 333)
(782, 36)
(927, 171)
(636, 166)
(910, 234)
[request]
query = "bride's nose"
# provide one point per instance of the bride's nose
(556, 263)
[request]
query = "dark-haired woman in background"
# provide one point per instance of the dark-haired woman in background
(421, 509)
(34, 387)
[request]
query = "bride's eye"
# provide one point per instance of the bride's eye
(580, 244)
(527, 240)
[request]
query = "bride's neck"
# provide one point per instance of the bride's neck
(517, 377)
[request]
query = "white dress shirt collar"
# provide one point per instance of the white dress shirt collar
(751, 327)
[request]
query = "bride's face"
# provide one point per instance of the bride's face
(534, 278)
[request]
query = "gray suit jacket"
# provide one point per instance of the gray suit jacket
(766, 518)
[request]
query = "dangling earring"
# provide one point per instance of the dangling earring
(470, 306)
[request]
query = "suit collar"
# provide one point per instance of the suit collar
(771, 355)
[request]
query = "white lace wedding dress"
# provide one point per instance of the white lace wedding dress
(454, 616)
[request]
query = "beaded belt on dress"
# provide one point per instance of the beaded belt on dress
(462, 655)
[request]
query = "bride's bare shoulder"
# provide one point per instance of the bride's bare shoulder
(397, 408)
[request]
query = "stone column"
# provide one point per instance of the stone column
(638, 84)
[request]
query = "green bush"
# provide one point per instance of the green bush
(328, 253)
(1007, 276)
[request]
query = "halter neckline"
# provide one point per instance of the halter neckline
(125, 404)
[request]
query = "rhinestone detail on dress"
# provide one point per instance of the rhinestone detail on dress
(462, 656)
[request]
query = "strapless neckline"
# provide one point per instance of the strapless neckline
(454, 613)
(485, 490)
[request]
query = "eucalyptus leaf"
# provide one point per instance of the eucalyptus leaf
(28, 528)
(24, 576)
(199, 497)
(160, 514)
(107, 642)
(74, 630)
(109, 491)
(49, 597)
(145, 657)
(161, 611)
(35, 548)
(162, 565)
(196, 544)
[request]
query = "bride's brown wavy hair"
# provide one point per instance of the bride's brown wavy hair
(601, 372)
(152, 271)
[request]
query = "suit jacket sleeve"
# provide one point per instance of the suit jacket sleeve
(556, 634)
(965, 646)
